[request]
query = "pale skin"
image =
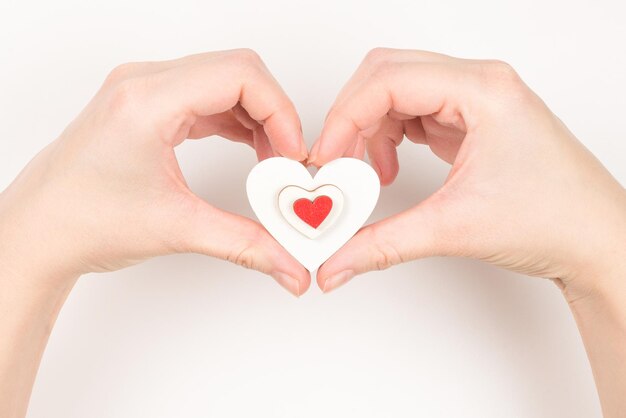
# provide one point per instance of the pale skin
(522, 192)
(109, 193)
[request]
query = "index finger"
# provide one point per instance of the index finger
(417, 87)
(216, 82)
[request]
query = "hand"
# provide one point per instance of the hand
(522, 193)
(109, 192)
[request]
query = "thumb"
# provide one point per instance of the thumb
(238, 239)
(419, 232)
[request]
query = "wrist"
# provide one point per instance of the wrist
(602, 282)
(30, 253)
(596, 266)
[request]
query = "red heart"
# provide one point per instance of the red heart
(313, 212)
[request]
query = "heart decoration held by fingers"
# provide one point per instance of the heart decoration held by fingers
(312, 217)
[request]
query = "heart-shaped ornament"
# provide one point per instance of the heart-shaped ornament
(312, 217)
(310, 212)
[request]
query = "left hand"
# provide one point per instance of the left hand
(522, 193)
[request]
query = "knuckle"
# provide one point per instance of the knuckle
(498, 73)
(384, 254)
(244, 256)
(383, 71)
(245, 62)
(501, 80)
(248, 56)
(245, 252)
(121, 73)
(385, 68)
(336, 111)
(378, 55)
(124, 95)
(382, 64)
(502, 71)
(343, 115)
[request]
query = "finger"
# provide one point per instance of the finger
(221, 234)
(359, 150)
(262, 144)
(244, 118)
(218, 83)
(443, 140)
(381, 148)
(394, 115)
(414, 130)
(356, 149)
(384, 159)
(379, 56)
(423, 231)
(313, 152)
(410, 88)
(375, 59)
(224, 124)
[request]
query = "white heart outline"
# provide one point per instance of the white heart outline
(356, 179)
(289, 194)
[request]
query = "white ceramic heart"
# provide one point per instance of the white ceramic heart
(359, 186)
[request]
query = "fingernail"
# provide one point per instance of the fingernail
(313, 154)
(304, 152)
(289, 283)
(337, 280)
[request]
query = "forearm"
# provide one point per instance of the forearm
(27, 313)
(33, 287)
(601, 318)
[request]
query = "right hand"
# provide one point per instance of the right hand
(522, 192)
(109, 192)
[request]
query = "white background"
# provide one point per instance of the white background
(189, 336)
